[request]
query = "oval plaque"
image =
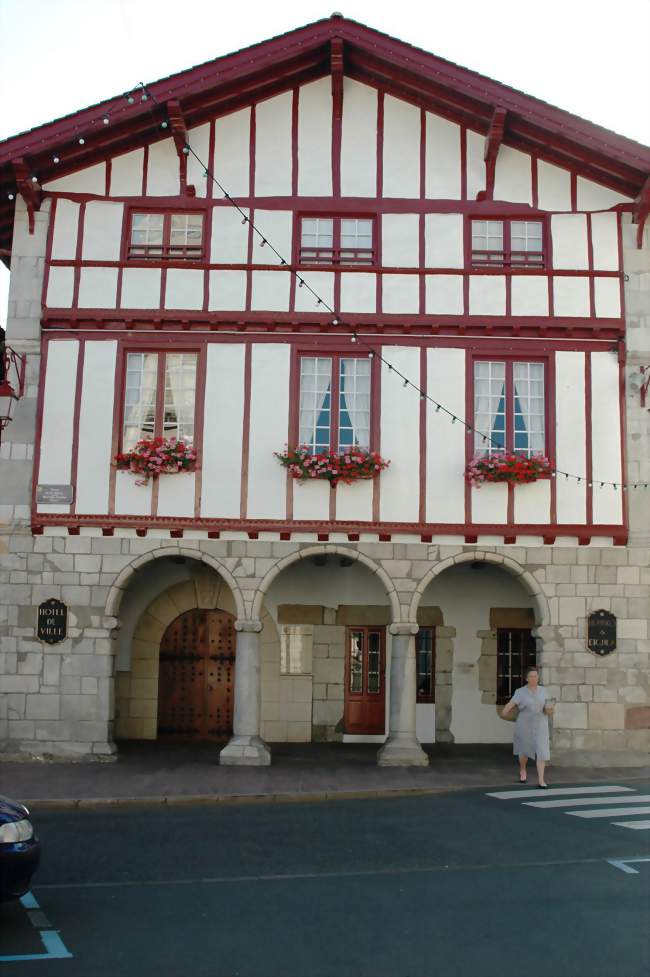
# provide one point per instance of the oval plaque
(52, 623)
(601, 632)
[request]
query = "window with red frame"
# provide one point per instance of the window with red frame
(334, 402)
(159, 397)
(166, 236)
(337, 241)
(509, 407)
(507, 243)
(425, 665)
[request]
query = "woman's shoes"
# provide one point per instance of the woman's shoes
(523, 780)
(543, 786)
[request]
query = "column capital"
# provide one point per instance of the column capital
(406, 629)
(242, 624)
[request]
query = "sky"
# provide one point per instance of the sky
(586, 56)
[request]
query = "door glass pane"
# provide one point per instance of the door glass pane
(374, 662)
(356, 661)
(424, 662)
(139, 398)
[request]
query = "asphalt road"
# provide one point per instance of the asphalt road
(454, 885)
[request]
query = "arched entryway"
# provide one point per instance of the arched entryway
(196, 676)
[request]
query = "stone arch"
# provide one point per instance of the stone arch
(118, 588)
(328, 549)
(532, 586)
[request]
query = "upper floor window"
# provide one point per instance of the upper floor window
(160, 236)
(159, 397)
(507, 243)
(425, 663)
(334, 403)
(337, 241)
(509, 407)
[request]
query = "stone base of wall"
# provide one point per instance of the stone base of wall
(600, 758)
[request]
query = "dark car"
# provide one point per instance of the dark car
(20, 849)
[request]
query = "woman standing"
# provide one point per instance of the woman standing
(531, 729)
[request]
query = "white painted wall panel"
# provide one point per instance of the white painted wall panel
(232, 152)
(401, 294)
(199, 140)
(594, 196)
(223, 429)
(269, 427)
(607, 297)
(229, 241)
(529, 295)
(490, 503)
(131, 499)
(487, 295)
(358, 292)
(227, 290)
(127, 174)
(96, 427)
(571, 296)
(513, 176)
(400, 437)
(60, 287)
(606, 437)
(569, 233)
(553, 187)
(425, 722)
(273, 146)
(277, 227)
(58, 415)
(176, 494)
(311, 500)
(141, 288)
(322, 283)
(604, 239)
(359, 140)
(98, 288)
(442, 159)
(102, 231)
(271, 291)
(315, 139)
(163, 169)
(443, 241)
(533, 502)
(400, 240)
(570, 438)
(475, 164)
(445, 465)
(401, 148)
(184, 288)
(444, 294)
(66, 223)
(354, 502)
(92, 179)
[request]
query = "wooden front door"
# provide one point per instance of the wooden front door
(365, 666)
(196, 679)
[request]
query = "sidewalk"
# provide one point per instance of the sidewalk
(182, 773)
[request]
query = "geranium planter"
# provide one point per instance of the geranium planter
(157, 456)
(348, 466)
(508, 467)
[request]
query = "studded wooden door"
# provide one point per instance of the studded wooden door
(196, 679)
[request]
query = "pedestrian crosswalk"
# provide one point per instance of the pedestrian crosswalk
(596, 800)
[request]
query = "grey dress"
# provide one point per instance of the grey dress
(531, 729)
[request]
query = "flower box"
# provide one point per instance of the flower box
(507, 467)
(157, 456)
(346, 466)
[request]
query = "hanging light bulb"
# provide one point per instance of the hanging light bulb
(10, 196)
(144, 97)
(437, 408)
(56, 159)
(34, 179)
(106, 120)
(130, 99)
(81, 140)
(164, 125)
(186, 150)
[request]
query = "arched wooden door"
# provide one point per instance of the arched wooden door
(196, 679)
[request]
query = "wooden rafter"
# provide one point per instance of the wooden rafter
(336, 65)
(179, 135)
(641, 211)
(493, 141)
(29, 189)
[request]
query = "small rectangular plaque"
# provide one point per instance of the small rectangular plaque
(52, 624)
(54, 494)
(601, 632)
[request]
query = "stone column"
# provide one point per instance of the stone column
(246, 748)
(402, 749)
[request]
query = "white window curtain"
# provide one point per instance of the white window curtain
(354, 404)
(315, 402)
(140, 398)
(180, 393)
(489, 406)
(528, 408)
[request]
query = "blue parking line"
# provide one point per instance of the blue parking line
(55, 948)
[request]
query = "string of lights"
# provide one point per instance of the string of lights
(146, 96)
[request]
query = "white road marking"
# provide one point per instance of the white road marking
(608, 812)
(506, 795)
(625, 864)
(590, 801)
(636, 825)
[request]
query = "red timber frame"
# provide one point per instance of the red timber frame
(316, 345)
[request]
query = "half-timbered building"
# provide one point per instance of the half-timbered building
(335, 240)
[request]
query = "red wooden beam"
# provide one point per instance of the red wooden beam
(640, 211)
(179, 135)
(493, 141)
(336, 65)
(29, 189)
